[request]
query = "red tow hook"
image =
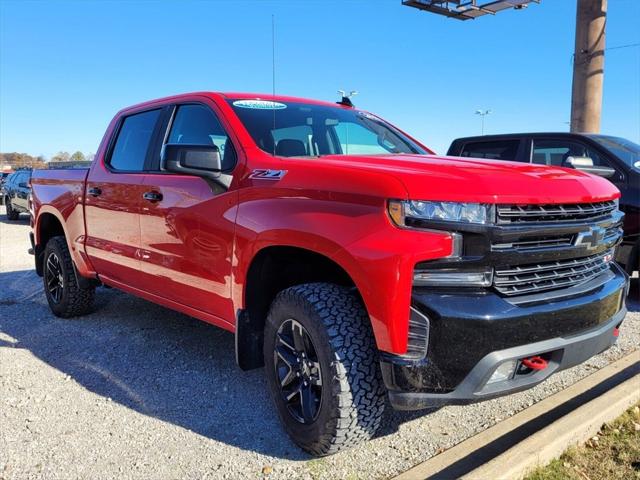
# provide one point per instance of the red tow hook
(616, 332)
(535, 363)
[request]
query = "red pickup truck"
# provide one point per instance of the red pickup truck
(347, 258)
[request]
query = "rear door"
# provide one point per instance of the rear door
(187, 231)
(115, 186)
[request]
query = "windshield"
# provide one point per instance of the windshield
(291, 129)
(624, 149)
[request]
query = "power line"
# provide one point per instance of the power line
(623, 46)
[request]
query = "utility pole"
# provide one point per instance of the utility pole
(588, 66)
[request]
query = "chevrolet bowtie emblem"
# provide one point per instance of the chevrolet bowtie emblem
(591, 239)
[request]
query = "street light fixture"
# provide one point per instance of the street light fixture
(483, 113)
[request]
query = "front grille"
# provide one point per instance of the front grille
(535, 243)
(535, 278)
(518, 214)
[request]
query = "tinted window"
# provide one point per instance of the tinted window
(496, 150)
(198, 125)
(130, 150)
(556, 152)
(624, 149)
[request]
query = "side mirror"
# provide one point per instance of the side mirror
(585, 164)
(577, 162)
(201, 160)
(23, 185)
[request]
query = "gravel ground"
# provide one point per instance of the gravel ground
(138, 391)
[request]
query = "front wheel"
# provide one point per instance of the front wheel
(322, 368)
(66, 298)
(12, 214)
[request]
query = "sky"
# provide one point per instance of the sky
(66, 67)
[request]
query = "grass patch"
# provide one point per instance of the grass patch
(613, 454)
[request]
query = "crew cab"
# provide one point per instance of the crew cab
(348, 259)
(614, 158)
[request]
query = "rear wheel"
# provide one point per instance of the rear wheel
(322, 368)
(11, 213)
(66, 298)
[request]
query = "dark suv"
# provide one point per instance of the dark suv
(16, 190)
(613, 158)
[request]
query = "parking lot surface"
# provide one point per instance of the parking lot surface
(138, 391)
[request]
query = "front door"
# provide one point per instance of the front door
(187, 223)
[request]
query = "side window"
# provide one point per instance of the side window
(495, 150)
(198, 125)
(130, 150)
(556, 152)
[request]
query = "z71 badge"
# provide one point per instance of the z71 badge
(268, 174)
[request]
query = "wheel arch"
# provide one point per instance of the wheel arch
(273, 269)
(47, 227)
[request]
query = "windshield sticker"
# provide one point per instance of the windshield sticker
(259, 104)
(367, 115)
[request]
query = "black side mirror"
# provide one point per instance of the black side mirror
(23, 185)
(201, 160)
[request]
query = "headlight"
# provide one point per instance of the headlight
(405, 212)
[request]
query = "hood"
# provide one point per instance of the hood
(430, 177)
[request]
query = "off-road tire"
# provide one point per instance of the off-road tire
(11, 213)
(353, 394)
(75, 300)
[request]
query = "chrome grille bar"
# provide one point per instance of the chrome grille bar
(551, 275)
(550, 213)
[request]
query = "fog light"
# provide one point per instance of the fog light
(503, 372)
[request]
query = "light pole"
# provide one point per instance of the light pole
(483, 113)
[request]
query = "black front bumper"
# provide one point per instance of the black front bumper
(471, 333)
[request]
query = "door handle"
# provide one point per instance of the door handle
(94, 191)
(152, 196)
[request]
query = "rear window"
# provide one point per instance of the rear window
(130, 150)
(496, 150)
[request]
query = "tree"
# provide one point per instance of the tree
(77, 157)
(61, 157)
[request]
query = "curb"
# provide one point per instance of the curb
(552, 441)
(469, 458)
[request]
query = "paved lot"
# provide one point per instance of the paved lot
(138, 391)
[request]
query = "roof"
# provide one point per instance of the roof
(525, 134)
(234, 96)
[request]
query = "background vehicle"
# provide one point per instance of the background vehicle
(16, 193)
(614, 158)
(346, 259)
(3, 178)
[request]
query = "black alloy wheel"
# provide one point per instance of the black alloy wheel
(298, 371)
(54, 278)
